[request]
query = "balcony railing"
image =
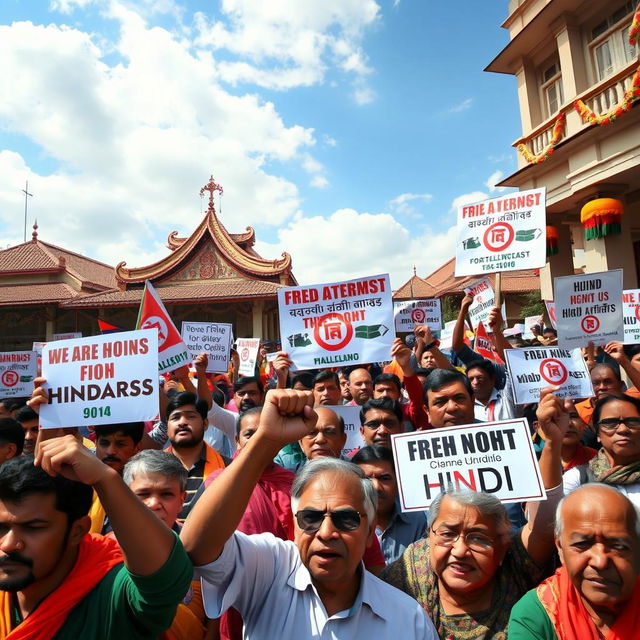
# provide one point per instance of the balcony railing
(599, 98)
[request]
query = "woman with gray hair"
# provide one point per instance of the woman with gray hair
(470, 571)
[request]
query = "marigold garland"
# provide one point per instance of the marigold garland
(634, 31)
(558, 129)
(630, 96)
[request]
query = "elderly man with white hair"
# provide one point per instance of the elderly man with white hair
(596, 592)
(315, 587)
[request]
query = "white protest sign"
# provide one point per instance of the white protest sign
(507, 233)
(72, 335)
(532, 370)
(518, 329)
(446, 335)
(631, 313)
(17, 372)
(493, 457)
(248, 351)
(589, 308)
(409, 313)
(212, 338)
(529, 323)
(551, 312)
(337, 324)
(106, 379)
(484, 299)
(351, 416)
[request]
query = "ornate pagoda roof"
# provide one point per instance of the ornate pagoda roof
(233, 249)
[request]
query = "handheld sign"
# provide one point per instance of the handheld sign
(493, 457)
(589, 308)
(351, 417)
(529, 323)
(67, 336)
(532, 370)
(502, 234)
(248, 351)
(446, 335)
(409, 313)
(106, 379)
(484, 299)
(631, 313)
(212, 338)
(17, 372)
(551, 312)
(340, 323)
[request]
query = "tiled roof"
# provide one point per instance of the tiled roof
(23, 294)
(442, 282)
(218, 291)
(37, 256)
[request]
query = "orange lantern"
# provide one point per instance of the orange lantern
(602, 217)
(552, 240)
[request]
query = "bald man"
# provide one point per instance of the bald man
(327, 438)
(596, 592)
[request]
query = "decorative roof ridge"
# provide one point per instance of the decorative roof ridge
(74, 253)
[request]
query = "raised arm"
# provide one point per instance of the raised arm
(431, 345)
(457, 338)
(616, 351)
(204, 393)
(145, 540)
(553, 421)
(287, 415)
(281, 366)
(500, 343)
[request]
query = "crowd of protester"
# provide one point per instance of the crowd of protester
(237, 513)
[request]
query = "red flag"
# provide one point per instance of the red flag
(105, 327)
(483, 345)
(172, 351)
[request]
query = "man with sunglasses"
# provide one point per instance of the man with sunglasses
(315, 587)
(616, 417)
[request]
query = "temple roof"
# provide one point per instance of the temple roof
(234, 249)
(37, 257)
(171, 294)
(34, 294)
(442, 282)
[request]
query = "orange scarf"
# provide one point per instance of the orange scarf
(569, 617)
(97, 555)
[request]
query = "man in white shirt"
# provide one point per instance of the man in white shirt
(490, 403)
(315, 587)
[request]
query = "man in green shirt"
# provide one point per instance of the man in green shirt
(56, 579)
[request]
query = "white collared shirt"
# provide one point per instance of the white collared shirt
(504, 405)
(264, 579)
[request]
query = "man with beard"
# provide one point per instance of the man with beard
(379, 418)
(29, 421)
(59, 581)
(186, 424)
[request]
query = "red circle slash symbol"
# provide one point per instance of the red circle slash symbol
(333, 331)
(637, 311)
(590, 324)
(498, 236)
(10, 378)
(244, 354)
(418, 315)
(553, 371)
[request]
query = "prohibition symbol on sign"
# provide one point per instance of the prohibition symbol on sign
(553, 371)
(10, 378)
(418, 315)
(244, 354)
(498, 236)
(637, 311)
(590, 324)
(333, 332)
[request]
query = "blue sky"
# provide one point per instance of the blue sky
(344, 131)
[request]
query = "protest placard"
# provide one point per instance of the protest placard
(106, 379)
(248, 351)
(172, 351)
(340, 323)
(446, 335)
(532, 370)
(529, 323)
(493, 457)
(17, 372)
(589, 308)
(409, 313)
(71, 335)
(484, 299)
(351, 416)
(631, 314)
(506, 233)
(212, 338)
(484, 346)
(551, 312)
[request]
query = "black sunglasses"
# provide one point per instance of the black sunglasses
(310, 520)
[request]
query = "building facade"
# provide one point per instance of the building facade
(575, 69)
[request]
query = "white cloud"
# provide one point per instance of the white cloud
(402, 204)
(329, 141)
(349, 244)
(467, 198)
(493, 179)
(363, 95)
(462, 106)
(319, 182)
